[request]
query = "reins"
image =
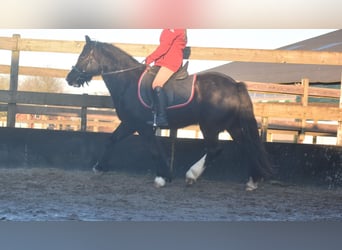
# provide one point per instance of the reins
(122, 70)
(83, 75)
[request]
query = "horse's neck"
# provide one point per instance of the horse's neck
(115, 60)
(120, 72)
(118, 84)
(115, 88)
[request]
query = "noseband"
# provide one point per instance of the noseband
(82, 75)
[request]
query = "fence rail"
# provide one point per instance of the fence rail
(13, 101)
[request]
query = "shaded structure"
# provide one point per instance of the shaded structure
(291, 73)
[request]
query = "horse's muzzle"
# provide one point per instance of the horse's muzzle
(75, 84)
(75, 80)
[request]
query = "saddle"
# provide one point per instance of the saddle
(179, 89)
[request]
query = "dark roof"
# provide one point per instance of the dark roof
(290, 73)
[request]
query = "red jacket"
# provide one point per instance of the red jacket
(169, 53)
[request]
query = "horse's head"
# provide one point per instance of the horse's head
(86, 67)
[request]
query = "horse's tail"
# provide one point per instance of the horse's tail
(260, 167)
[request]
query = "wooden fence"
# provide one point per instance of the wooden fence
(296, 115)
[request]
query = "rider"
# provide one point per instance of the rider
(169, 57)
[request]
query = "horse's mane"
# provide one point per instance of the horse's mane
(111, 51)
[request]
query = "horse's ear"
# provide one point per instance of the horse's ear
(87, 39)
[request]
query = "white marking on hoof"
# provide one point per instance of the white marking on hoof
(195, 171)
(159, 182)
(95, 170)
(189, 181)
(251, 185)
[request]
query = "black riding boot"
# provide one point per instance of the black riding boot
(160, 100)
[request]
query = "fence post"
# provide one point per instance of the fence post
(173, 136)
(264, 127)
(14, 76)
(339, 129)
(84, 115)
(305, 101)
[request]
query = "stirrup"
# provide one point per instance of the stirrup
(162, 124)
(155, 124)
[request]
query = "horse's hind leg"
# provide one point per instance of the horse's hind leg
(212, 151)
(195, 171)
(248, 151)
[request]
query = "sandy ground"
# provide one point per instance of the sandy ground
(41, 194)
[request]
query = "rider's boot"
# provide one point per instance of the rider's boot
(160, 100)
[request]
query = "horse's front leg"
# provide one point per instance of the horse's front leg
(120, 133)
(163, 169)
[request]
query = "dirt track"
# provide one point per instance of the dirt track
(59, 195)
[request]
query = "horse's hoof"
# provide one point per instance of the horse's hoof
(251, 185)
(195, 171)
(189, 181)
(190, 178)
(96, 169)
(159, 182)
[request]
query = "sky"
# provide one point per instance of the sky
(223, 38)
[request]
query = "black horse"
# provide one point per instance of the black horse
(219, 103)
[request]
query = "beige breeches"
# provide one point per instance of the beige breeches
(162, 76)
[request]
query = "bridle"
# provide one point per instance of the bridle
(84, 76)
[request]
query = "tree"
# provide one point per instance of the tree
(42, 84)
(34, 84)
